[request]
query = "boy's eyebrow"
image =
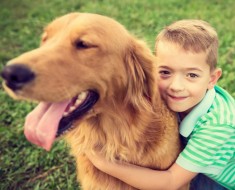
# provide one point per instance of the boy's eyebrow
(164, 67)
(188, 69)
(194, 69)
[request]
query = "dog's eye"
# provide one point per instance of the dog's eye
(81, 44)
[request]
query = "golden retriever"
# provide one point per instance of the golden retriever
(97, 88)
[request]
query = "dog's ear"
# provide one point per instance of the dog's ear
(141, 71)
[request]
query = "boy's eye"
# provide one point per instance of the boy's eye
(164, 72)
(192, 75)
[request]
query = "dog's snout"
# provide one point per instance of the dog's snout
(17, 75)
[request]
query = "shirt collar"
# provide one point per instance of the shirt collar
(189, 122)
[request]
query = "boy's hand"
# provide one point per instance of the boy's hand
(97, 160)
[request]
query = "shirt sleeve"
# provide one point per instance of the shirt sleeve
(209, 150)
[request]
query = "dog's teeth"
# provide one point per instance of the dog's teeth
(72, 108)
(82, 96)
(78, 102)
(65, 114)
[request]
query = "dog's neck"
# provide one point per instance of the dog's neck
(111, 125)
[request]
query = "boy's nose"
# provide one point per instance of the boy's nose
(17, 75)
(177, 84)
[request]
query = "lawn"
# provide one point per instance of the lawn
(24, 166)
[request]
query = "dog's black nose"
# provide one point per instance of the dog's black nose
(17, 75)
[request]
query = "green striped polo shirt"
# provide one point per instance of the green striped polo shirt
(210, 131)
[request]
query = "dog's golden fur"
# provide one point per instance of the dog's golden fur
(129, 122)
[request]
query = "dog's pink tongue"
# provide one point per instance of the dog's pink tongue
(42, 123)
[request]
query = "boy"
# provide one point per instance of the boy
(187, 57)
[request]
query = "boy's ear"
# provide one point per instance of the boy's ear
(215, 75)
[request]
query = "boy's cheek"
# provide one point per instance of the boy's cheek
(162, 85)
(162, 89)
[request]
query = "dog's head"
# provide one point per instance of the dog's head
(85, 60)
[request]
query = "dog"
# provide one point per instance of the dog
(96, 87)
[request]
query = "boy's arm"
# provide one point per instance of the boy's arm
(144, 178)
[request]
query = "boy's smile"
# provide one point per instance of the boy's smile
(184, 76)
(177, 98)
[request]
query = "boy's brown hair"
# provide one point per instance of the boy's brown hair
(192, 35)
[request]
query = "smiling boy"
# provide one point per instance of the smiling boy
(187, 74)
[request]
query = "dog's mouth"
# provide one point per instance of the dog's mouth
(77, 107)
(50, 120)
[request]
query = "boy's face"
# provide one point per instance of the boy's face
(183, 76)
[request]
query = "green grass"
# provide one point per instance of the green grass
(24, 166)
